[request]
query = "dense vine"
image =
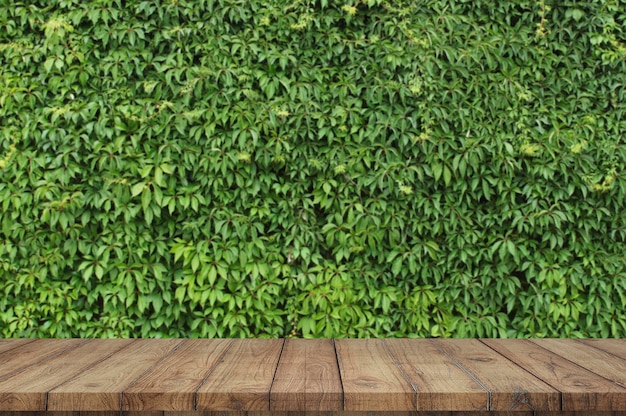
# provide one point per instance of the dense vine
(229, 168)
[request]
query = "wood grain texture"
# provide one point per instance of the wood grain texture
(172, 384)
(100, 387)
(215, 413)
(441, 384)
(27, 390)
(328, 413)
(293, 413)
(510, 387)
(307, 377)
(587, 413)
(303, 413)
(275, 377)
(499, 413)
(14, 360)
(10, 344)
(593, 359)
(132, 413)
(371, 379)
(616, 347)
(200, 413)
(242, 381)
(42, 413)
(581, 389)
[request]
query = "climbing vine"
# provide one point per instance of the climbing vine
(317, 168)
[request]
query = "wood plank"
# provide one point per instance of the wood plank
(294, 413)
(441, 385)
(7, 344)
(494, 413)
(510, 387)
(211, 413)
(27, 390)
(130, 413)
(6, 413)
(101, 413)
(307, 378)
(588, 413)
(581, 389)
(13, 361)
(371, 379)
(304, 377)
(335, 413)
(100, 387)
(201, 413)
(597, 361)
(407, 413)
(322, 413)
(172, 384)
(242, 381)
(613, 346)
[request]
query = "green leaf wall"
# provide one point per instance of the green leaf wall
(317, 168)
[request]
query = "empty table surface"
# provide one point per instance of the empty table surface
(313, 375)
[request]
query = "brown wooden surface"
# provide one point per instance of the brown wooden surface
(100, 387)
(10, 344)
(616, 347)
(510, 387)
(242, 381)
(307, 377)
(254, 377)
(172, 384)
(593, 359)
(32, 353)
(311, 413)
(581, 389)
(371, 379)
(28, 389)
(434, 376)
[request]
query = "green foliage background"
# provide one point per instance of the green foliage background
(272, 168)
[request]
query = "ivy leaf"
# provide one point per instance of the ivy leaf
(437, 169)
(137, 188)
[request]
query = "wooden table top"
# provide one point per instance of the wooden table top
(337, 375)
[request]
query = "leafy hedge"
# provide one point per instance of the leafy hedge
(312, 168)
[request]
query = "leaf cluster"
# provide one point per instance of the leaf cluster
(317, 168)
